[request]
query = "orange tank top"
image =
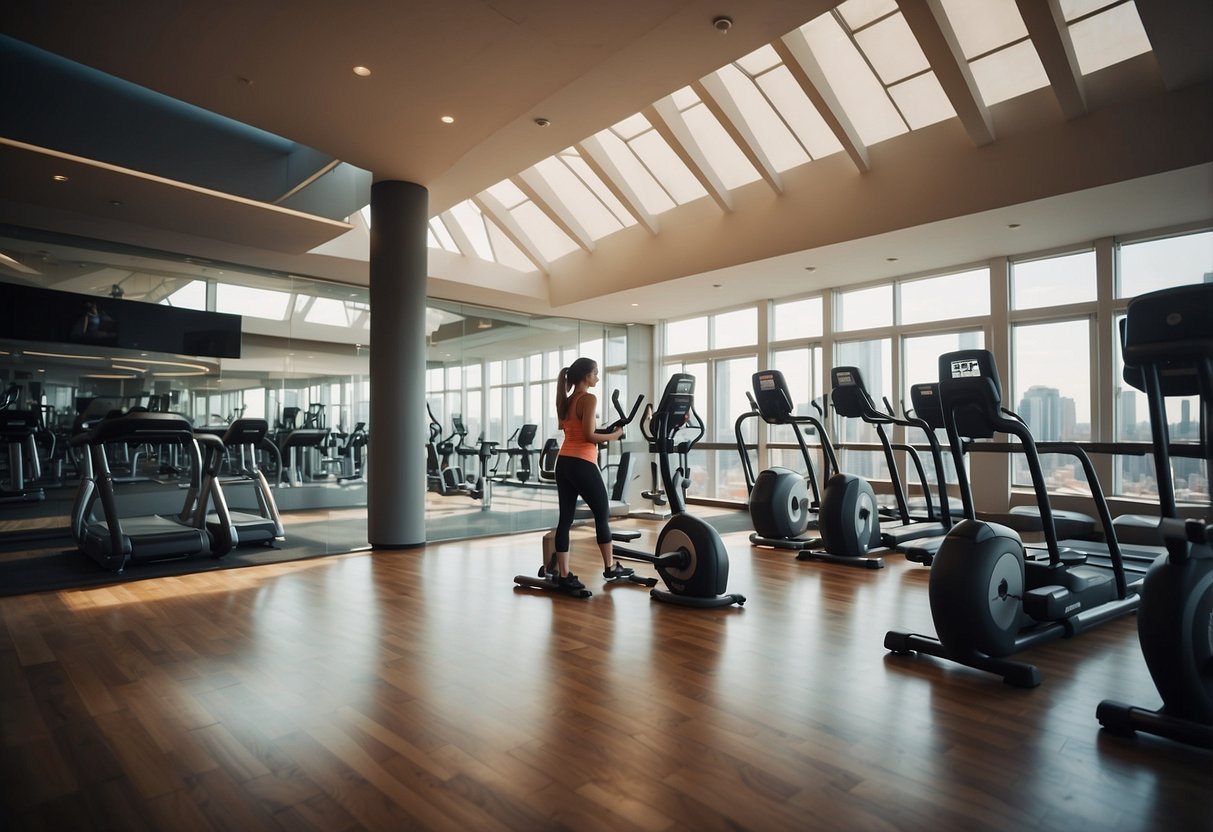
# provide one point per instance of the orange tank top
(575, 443)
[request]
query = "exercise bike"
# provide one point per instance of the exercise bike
(989, 599)
(1168, 351)
(547, 577)
(690, 556)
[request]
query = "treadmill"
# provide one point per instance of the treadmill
(239, 444)
(115, 541)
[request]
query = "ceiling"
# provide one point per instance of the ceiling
(1125, 149)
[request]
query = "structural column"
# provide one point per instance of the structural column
(396, 490)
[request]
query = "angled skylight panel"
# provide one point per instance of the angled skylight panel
(585, 205)
(773, 135)
(789, 99)
(894, 53)
(659, 159)
(995, 41)
(506, 252)
(328, 311)
(471, 223)
(547, 236)
(859, 13)
(440, 237)
(508, 194)
(852, 80)
(1108, 36)
(922, 100)
(648, 190)
(1009, 72)
(984, 26)
(571, 158)
(891, 49)
(718, 147)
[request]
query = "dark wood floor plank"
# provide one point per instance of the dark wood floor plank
(420, 689)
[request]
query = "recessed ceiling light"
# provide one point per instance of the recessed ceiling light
(810, 268)
(1013, 225)
(891, 259)
(447, 119)
(635, 304)
(117, 203)
(362, 71)
(716, 285)
(59, 177)
(542, 122)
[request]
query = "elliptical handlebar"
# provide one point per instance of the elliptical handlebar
(626, 417)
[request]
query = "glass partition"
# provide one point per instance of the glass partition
(303, 366)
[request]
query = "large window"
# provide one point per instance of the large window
(733, 379)
(1051, 392)
(874, 359)
(796, 319)
(865, 308)
(1158, 264)
(1053, 281)
(1135, 475)
(920, 364)
(961, 295)
(802, 371)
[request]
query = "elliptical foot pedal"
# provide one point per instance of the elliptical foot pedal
(625, 536)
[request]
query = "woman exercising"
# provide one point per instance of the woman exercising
(577, 473)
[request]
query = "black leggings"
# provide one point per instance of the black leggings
(576, 477)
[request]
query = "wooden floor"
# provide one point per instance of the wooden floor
(420, 690)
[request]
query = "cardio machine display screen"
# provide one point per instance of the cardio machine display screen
(967, 368)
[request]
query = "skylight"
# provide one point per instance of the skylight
(770, 130)
(717, 146)
(547, 236)
(652, 196)
(798, 112)
(565, 174)
(995, 41)
(851, 78)
(251, 302)
(1109, 37)
(662, 163)
(893, 52)
(441, 237)
(757, 114)
(471, 223)
(190, 296)
(507, 253)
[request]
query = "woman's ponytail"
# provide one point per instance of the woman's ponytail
(562, 398)
(570, 377)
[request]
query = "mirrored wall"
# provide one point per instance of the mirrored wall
(303, 367)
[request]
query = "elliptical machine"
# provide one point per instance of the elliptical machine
(780, 506)
(988, 599)
(1168, 351)
(690, 556)
(546, 578)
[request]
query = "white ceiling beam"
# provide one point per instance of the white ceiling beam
(600, 163)
(495, 210)
(540, 192)
(720, 102)
(1180, 32)
(794, 51)
(668, 123)
(929, 23)
(1050, 35)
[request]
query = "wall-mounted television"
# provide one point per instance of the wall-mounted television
(31, 313)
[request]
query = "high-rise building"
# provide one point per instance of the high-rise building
(1126, 414)
(1041, 408)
